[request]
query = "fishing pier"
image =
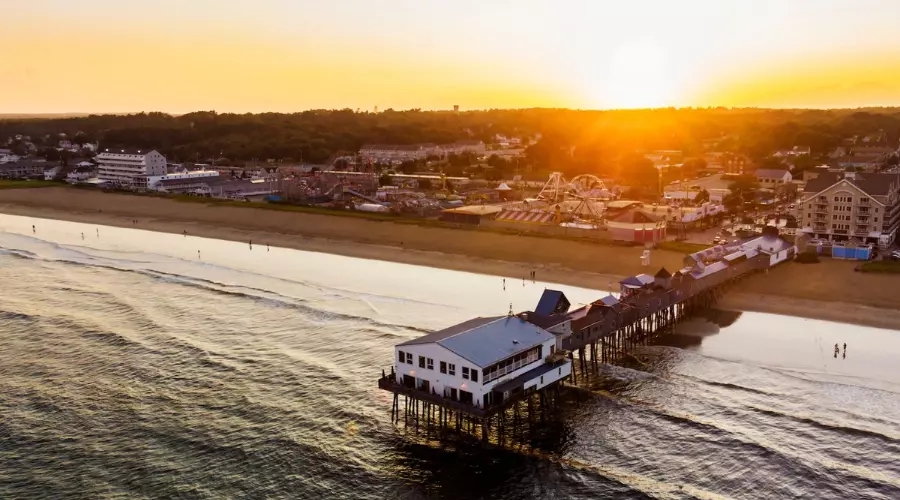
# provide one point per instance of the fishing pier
(487, 375)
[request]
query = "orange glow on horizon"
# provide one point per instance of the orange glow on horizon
(353, 54)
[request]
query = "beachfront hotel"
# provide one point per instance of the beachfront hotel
(123, 166)
(481, 362)
(845, 206)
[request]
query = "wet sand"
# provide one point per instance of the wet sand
(830, 290)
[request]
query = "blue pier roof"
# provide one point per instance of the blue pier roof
(484, 341)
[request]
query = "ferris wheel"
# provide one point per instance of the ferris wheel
(575, 197)
(588, 186)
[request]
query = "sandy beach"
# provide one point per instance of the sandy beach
(830, 290)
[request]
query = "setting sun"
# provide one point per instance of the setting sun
(637, 76)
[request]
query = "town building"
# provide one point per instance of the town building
(481, 362)
(393, 152)
(25, 169)
(123, 166)
(637, 226)
(728, 162)
(462, 147)
(771, 178)
(840, 206)
(406, 152)
(82, 172)
(52, 172)
(180, 182)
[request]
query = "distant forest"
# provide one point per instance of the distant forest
(571, 140)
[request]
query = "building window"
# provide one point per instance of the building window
(542, 380)
(430, 363)
(401, 356)
(465, 373)
(443, 367)
(451, 369)
(421, 361)
(474, 374)
(409, 358)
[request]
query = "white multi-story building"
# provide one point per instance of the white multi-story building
(123, 166)
(841, 206)
(481, 362)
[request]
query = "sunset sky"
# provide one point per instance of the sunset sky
(290, 55)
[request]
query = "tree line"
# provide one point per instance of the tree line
(571, 141)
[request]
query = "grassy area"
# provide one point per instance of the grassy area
(881, 266)
(682, 246)
(19, 184)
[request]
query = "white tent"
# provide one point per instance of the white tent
(503, 187)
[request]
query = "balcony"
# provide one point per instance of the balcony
(840, 231)
(861, 232)
(820, 227)
(821, 208)
(865, 202)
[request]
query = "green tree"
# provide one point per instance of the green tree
(702, 197)
(637, 171)
(692, 167)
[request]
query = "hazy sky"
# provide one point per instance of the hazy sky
(290, 55)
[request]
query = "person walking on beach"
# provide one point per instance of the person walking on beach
(98, 232)
(82, 235)
(198, 254)
(251, 244)
(267, 247)
(185, 233)
(504, 284)
(33, 229)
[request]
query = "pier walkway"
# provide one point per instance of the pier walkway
(601, 332)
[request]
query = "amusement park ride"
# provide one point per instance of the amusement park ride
(578, 198)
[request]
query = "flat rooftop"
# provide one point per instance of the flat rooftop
(475, 210)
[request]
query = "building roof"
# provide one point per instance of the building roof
(619, 204)
(767, 173)
(126, 151)
(710, 269)
(638, 281)
(484, 341)
(635, 217)
(663, 273)
(823, 181)
(525, 216)
(551, 302)
(609, 301)
(481, 210)
(769, 244)
(872, 184)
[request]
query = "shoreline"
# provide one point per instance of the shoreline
(818, 291)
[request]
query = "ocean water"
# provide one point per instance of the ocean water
(131, 367)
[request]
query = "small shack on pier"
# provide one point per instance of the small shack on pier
(629, 286)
